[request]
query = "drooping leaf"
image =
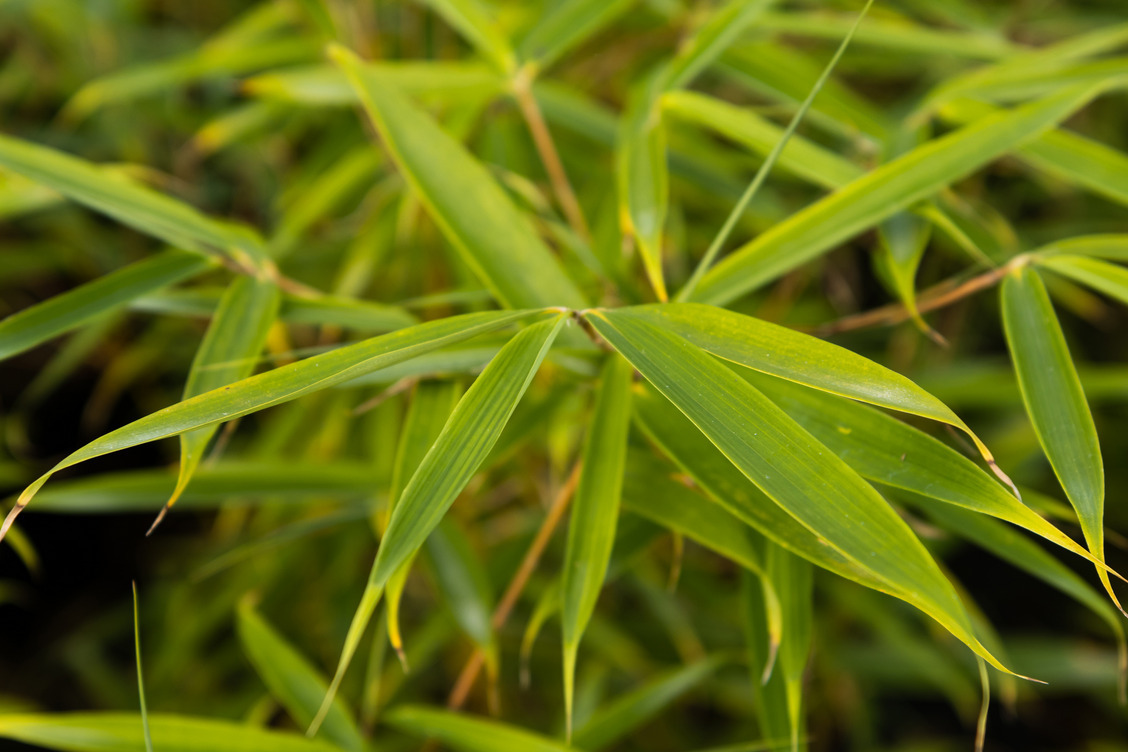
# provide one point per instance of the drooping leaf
(62, 313)
(291, 679)
(465, 442)
(595, 511)
(228, 353)
(495, 240)
(130, 202)
(122, 732)
(793, 579)
(467, 733)
(280, 385)
(1055, 401)
(879, 194)
(813, 485)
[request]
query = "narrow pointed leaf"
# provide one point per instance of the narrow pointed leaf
(1111, 247)
(228, 353)
(472, 20)
(292, 679)
(1054, 399)
(129, 202)
(566, 25)
(643, 177)
(1110, 279)
(595, 511)
(768, 688)
(813, 484)
(714, 36)
(327, 85)
(467, 733)
(465, 442)
(62, 313)
(122, 732)
(631, 711)
(496, 240)
(813, 231)
(793, 579)
(464, 584)
(281, 385)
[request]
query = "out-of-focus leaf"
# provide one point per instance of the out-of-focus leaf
(624, 714)
(472, 20)
(327, 85)
(793, 579)
(467, 733)
(431, 405)
(69, 310)
(1102, 276)
(130, 202)
(20, 196)
(465, 442)
(768, 690)
(281, 385)
(879, 194)
(293, 681)
(800, 157)
(121, 732)
(141, 673)
(814, 485)
(566, 25)
(496, 240)
(723, 27)
(1055, 401)
(1110, 247)
(465, 586)
(228, 353)
(595, 511)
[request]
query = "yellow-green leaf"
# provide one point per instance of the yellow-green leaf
(466, 733)
(1110, 279)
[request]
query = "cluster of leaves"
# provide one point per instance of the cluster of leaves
(459, 321)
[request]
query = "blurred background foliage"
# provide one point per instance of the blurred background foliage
(225, 105)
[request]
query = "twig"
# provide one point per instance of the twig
(542, 139)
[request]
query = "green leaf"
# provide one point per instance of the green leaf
(1055, 401)
(465, 442)
(465, 586)
(1110, 279)
(565, 25)
(799, 157)
(811, 484)
(122, 732)
(894, 186)
(280, 385)
(291, 679)
(60, 314)
(595, 511)
(791, 355)
(130, 202)
(888, 451)
(229, 353)
(769, 692)
(140, 673)
(496, 240)
(1110, 247)
(723, 27)
(327, 85)
(467, 733)
(793, 579)
(431, 406)
(623, 715)
(472, 20)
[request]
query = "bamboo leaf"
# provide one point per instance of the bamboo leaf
(472, 20)
(280, 385)
(228, 353)
(565, 25)
(595, 511)
(1110, 279)
(122, 732)
(130, 202)
(768, 690)
(465, 586)
(62, 313)
(496, 240)
(291, 679)
(1110, 247)
(465, 442)
(327, 85)
(879, 194)
(467, 733)
(814, 485)
(719, 31)
(1055, 402)
(887, 451)
(793, 579)
(623, 715)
